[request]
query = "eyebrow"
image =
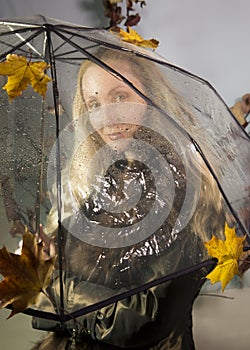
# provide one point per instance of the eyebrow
(118, 87)
(123, 86)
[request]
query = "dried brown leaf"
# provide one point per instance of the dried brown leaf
(25, 276)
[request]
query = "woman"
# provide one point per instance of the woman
(119, 237)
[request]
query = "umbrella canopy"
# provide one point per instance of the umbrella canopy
(182, 130)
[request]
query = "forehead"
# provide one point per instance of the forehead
(96, 77)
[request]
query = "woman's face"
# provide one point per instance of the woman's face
(123, 109)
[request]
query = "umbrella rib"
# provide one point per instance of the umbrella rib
(120, 296)
(76, 27)
(18, 31)
(128, 293)
(73, 51)
(28, 44)
(24, 42)
(14, 48)
(60, 235)
(60, 46)
(64, 53)
(68, 59)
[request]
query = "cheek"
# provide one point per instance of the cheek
(135, 113)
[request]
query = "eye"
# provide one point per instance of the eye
(120, 97)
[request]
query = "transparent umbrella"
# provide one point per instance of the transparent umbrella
(129, 161)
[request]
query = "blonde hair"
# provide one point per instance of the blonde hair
(208, 218)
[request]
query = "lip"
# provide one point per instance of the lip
(117, 135)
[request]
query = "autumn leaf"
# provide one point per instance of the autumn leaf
(21, 73)
(134, 38)
(228, 253)
(25, 276)
(241, 109)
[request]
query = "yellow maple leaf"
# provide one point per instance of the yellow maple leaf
(134, 38)
(25, 276)
(21, 73)
(228, 253)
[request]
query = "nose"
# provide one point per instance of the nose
(116, 113)
(108, 115)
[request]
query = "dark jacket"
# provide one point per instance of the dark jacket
(156, 318)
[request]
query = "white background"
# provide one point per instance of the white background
(211, 39)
